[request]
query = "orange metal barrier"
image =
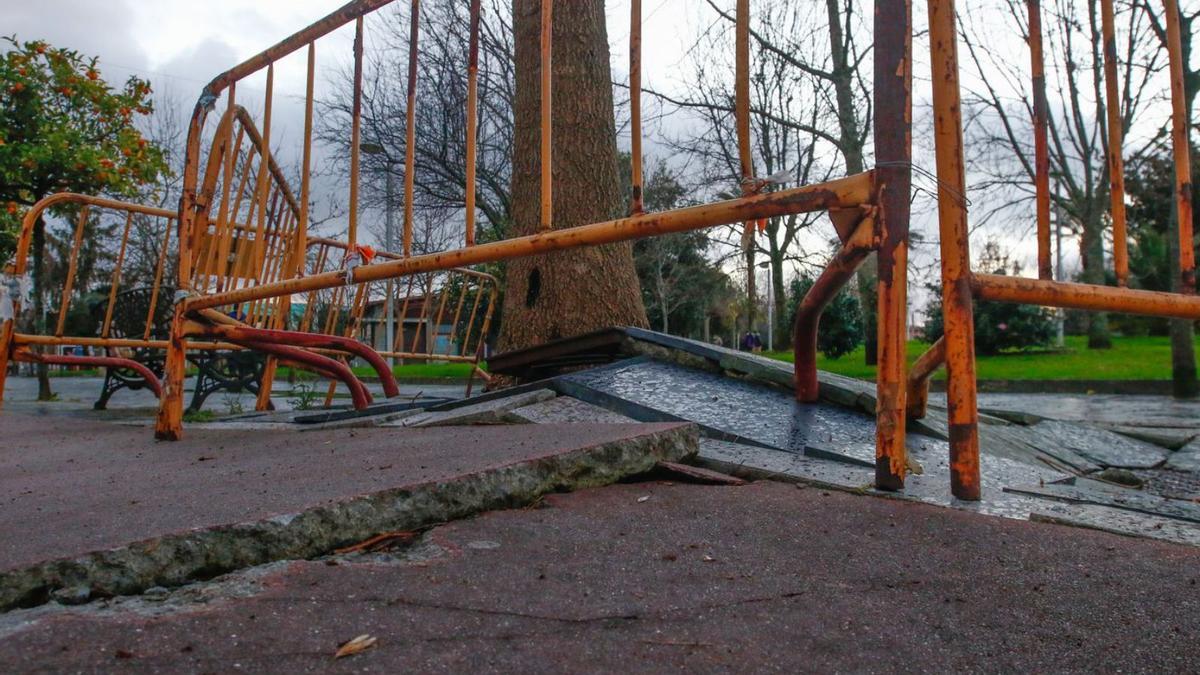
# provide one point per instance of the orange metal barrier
(960, 286)
(274, 273)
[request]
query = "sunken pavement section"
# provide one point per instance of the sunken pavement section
(264, 541)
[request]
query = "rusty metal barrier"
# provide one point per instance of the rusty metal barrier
(960, 286)
(25, 347)
(274, 274)
(117, 348)
(440, 316)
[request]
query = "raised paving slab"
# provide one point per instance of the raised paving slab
(655, 578)
(103, 509)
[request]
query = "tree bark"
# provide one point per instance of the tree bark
(571, 292)
(1092, 253)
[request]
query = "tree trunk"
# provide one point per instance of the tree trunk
(1092, 254)
(39, 314)
(571, 292)
(782, 330)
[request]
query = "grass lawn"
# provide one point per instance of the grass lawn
(1131, 358)
(408, 371)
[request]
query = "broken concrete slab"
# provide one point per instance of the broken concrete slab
(492, 411)
(566, 409)
(1186, 458)
(754, 578)
(100, 506)
(1104, 447)
(1115, 497)
(1120, 521)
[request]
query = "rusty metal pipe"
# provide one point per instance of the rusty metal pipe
(410, 134)
(893, 152)
(1089, 297)
(919, 375)
(957, 314)
(1115, 128)
(836, 274)
(845, 192)
(1041, 146)
(99, 361)
(245, 334)
(1181, 149)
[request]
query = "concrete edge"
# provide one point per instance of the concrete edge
(204, 553)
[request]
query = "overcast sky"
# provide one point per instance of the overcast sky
(181, 44)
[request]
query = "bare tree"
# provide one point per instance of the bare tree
(440, 153)
(998, 114)
(811, 108)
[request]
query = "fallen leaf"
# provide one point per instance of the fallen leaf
(359, 644)
(643, 498)
(708, 558)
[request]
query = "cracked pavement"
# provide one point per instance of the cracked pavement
(660, 576)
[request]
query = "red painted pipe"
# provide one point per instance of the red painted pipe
(324, 365)
(104, 361)
(318, 341)
(808, 315)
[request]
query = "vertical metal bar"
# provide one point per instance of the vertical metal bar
(1041, 147)
(893, 152)
(306, 167)
(547, 220)
(956, 253)
(115, 281)
(410, 138)
(1116, 163)
(1182, 152)
(635, 104)
(217, 246)
(264, 177)
(472, 119)
(462, 296)
(69, 286)
(355, 134)
(160, 268)
(742, 112)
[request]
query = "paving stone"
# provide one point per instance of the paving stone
(1104, 447)
(492, 411)
(1119, 521)
(566, 409)
(1127, 499)
(1186, 458)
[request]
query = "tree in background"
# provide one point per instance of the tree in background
(63, 128)
(1154, 256)
(818, 47)
(439, 178)
(567, 293)
(997, 101)
(841, 323)
(999, 326)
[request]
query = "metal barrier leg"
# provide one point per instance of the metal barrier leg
(169, 425)
(266, 384)
(956, 253)
(920, 374)
(833, 278)
(6, 332)
(893, 151)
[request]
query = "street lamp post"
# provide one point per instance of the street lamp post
(770, 307)
(389, 301)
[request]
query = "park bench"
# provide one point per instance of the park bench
(216, 370)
